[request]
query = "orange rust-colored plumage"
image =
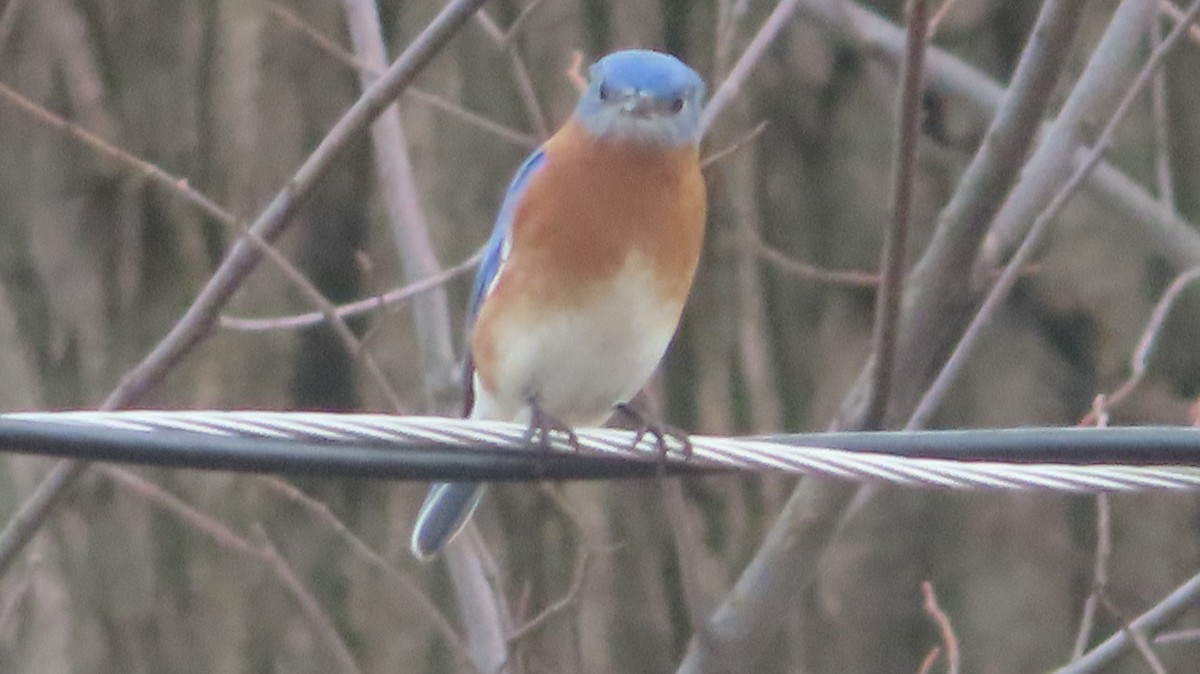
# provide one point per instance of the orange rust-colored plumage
(590, 206)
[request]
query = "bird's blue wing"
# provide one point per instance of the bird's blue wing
(497, 246)
(494, 255)
(448, 506)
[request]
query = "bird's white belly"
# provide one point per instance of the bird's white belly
(577, 364)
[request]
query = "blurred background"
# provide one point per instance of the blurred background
(97, 263)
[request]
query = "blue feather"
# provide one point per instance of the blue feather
(448, 506)
(493, 255)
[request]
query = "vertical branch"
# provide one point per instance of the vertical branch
(1159, 120)
(895, 245)
(397, 183)
(482, 610)
(1099, 575)
(487, 626)
(756, 354)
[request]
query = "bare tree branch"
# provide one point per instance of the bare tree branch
(520, 73)
(1103, 80)
(1171, 236)
(934, 610)
(390, 300)
(895, 243)
(200, 319)
(732, 85)
(335, 50)
(325, 516)
(322, 625)
(788, 559)
(397, 183)
(480, 608)
(488, 630)
(1120, 41)
(1161, 126)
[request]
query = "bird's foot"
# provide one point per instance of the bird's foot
(541, 425)
(661, 432)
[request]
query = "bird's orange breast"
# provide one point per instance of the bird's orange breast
(591, 208)
(594, 202)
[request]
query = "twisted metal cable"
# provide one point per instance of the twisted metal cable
(435, 448)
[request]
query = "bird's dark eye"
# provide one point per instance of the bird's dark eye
(603, 92)
(677, 105)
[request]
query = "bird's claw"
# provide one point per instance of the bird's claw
(541, 425)
(659, 430)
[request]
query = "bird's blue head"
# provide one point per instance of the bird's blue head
(643, 96)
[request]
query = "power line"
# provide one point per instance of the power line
(435, 448)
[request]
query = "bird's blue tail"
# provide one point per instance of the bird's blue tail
(446, 509)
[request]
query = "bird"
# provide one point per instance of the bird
(588, 267)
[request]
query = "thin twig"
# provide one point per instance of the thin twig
(945, 628)
(931, 658)
(732, 85)
(487, 631)
(754, 347)
(174, 185)
(726, 34)
(13, 599)
(322, 514)
(1033, 237)
(328, 310)
(895, 244)
(575, 71)
(736, 145)
(1099, 575)
(936, 290)
(518, 23)
(180, 187)
(1159, 120)
(200, 319)
(481, 609)
(345, 57)
(520, 74)
(1139, 361)
(518, 138)
(317, 617)
(231, 540)
(392, 300)
(569, 599)
(753, 344)
(810, 272)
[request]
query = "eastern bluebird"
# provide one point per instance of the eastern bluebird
(588, 267)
